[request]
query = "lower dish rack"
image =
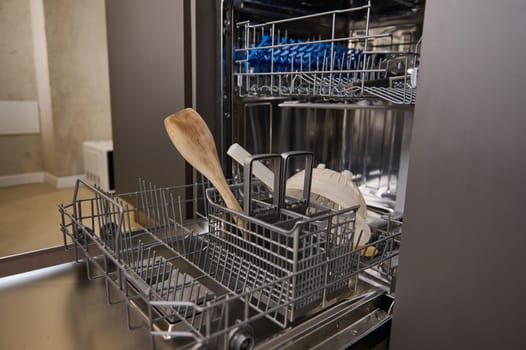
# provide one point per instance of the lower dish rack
(198, 277)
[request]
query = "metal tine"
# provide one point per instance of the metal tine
(196, 300)
(270, 293)
(147, 192)
(153, 207)
(390, 262)
(198, 246)
(192, 320)
(173, 237)
(208, 324)
(120, 230)
(100, 218)
(191, 253)
(149, 265)
(160, 206)
(161, 275)
(127, 236)
(163, 211)
(137, 258)
(157, 194)
(217, 264)
(132, 249)
(161, 266)
(359, 239)
(207, 261)
(223, 270)
(166, 291)
(228, 258)
(183, 287)
(221, 314)
(117, 223)
(200, 252)
(176, 283)
(209, 257)
(189, 298)
(201, 316)
(386, 249)
(92, 215)
(155, 269)
(160, 286)
(147, 200)
(95, 210)
(246, 277)
(141, 197)
(203, 194)
(141, 266)
(193, 242)
(232, 267)
(107, 217)
(180, 207)
(170, 279)
(169, 212)
(238, 275)
(285, 295)
(256, 278)
(168, 233)
(262, 291)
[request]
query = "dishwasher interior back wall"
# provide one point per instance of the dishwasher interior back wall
(366, 142)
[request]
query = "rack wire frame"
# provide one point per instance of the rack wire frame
(183, 283)
(333, 74)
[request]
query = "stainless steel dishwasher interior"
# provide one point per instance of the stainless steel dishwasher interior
(336, 80)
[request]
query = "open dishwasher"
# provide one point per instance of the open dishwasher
(286, 273)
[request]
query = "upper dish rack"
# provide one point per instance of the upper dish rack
(270, 60)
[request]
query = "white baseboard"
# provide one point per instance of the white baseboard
(39, 177)
(21, 179)
(62, 182)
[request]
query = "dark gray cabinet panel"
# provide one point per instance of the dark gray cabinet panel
(461, 281)
(147, 70)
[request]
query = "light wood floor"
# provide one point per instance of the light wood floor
(29, 217)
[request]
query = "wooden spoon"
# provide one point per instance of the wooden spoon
(192, 138)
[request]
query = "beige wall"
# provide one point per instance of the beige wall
(78, 75)
(75, 33)
(18, 153)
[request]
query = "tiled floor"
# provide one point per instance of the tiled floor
(29, 217)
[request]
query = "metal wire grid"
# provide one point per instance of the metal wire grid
(336, 71)
(314, 253)
(143, 267)
(176, 293)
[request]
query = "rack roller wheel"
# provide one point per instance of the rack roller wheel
(79, 234)
(108, 232)
(241, 338)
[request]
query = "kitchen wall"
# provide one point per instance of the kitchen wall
(78, 75)
(71, 67)
(18, 153)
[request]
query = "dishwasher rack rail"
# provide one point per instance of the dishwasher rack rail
(187, 280)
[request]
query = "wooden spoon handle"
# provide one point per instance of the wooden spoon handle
(194, 141)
